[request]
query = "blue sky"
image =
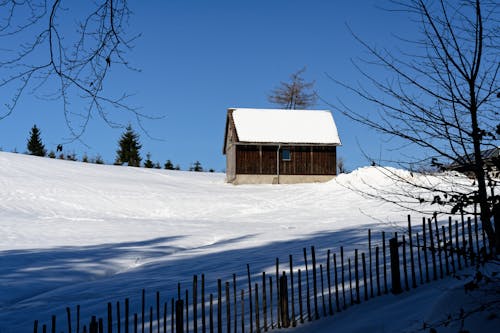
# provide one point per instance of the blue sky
(197, 58)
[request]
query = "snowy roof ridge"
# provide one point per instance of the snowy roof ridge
(285, 126)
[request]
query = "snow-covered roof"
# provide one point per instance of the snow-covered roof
(285, 126)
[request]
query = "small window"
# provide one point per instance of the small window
(286, 155)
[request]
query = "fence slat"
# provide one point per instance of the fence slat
(315, 283)
(264, 300)
(419, 259)
(308, 292)
(356, 276)
(395, 273)
(294, 322)
(386, 289)
(337, 301)
(257, 310)
(377, 269)
(370, 261)
(412, 261)
(350, 280)
(195, 305)
(342, 275)
(250, 297)
(405, 266)
(441, 275)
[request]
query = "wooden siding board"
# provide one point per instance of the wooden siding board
(305, 160)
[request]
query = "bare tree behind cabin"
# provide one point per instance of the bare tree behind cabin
(295, 94)
(440, 96)
(43, 48)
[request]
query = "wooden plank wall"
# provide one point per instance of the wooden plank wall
(305, 160)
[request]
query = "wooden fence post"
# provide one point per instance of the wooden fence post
(377, 270)
(441, 275)
(370, 261)
(294, 322)
(118, 317)
(464, 242)
(235, 306)
(264, 300)
(203, 318)
(426, 260)
(315, 283)
(250, 297)
(308, 293)
(187, 312)
(228, 308)
(342, 275)
(271, 300)
(452, 249)
(419, 259)
(405, 266)
(68, 313)
(110, 318)
(78, 318)
(285, 319)
(300, 298)
(278, 312)
(179, 316)
(337, 301)
(412, 261)
(386, 289)
(53, 326)
(35, 326)
(219, 306)
(457, 246)
(143, 305)
(329, 281)
(93, 326)
(471, 244)
(257, 310)
(350, 280)
(445, 248)
(395, 273)
(356, 276)
(195, 305)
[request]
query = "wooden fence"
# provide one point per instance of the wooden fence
(288, 297)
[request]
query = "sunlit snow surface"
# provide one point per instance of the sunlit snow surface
(77, 233)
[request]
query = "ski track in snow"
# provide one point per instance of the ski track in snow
(76, 233)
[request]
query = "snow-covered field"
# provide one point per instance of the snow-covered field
(75, 233)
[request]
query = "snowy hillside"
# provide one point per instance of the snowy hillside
(77, 233)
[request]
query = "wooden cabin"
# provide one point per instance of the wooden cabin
(271, 146)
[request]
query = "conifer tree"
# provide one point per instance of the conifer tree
(35, 145)
(148, 164)
(129, 148)
(196, 167)
(168, 165)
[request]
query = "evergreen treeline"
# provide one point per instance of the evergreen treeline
(128, 152)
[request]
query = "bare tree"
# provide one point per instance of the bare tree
(443, 97)
(294, 94)
(46, 49)
(341, 165)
